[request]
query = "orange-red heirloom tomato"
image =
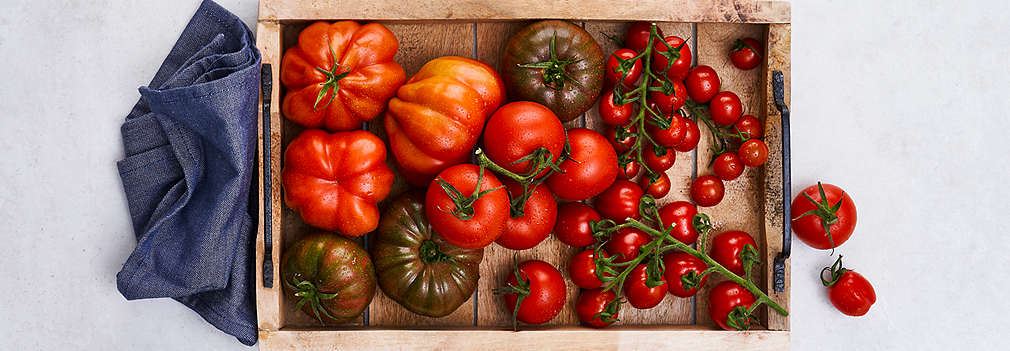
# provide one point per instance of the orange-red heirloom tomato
(335, 180)
(436, 118)
(353, 61)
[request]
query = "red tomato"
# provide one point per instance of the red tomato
(613, 114)
(682, 61)
(670, 137)
(725, 108)
(640, 295)
(572, 227)
(626, 242)
(546, 292)
(691, 136)
(659, 188)
(623, 144)
(613, 75)
(582, 269)
(707, 190)
(620, 201)
(591, 303)
(462, 221)
(681, 214)
(702, 83)
(811, 215)
(658, 163)
(672, 102)
(536, 221)
(629, 171)
(728, 166)
(677, 264)
(725, 297)
(637, 37)
(746, 53)
(517, 130)
(849, 291)
(591, 169)
(727, 247)
(750, 125)
(753, 153)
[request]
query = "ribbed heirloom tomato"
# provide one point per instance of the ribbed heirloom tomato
(461, 214)
(339, 75)
(331, 277)
(436, 118)
(590, 170)
(335, 180)
(519, 129)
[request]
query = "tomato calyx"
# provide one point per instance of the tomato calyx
(721, 135)
(430, 253)
(554, 73)
(740, 318)
(740, 44)
(463, 205)
(610, 311)
(826, 211)
(835, 271)
(692, 279)
(540, 160)
(750, 257)
(521, 289)
(669, 54)
(311, 295)
(333, 77)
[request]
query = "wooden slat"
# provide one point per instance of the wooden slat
(777, 58)
(735, 11)
(675, 338)
(742, 208)
(268, 301)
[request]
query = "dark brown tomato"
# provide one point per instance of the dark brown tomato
(335, 269)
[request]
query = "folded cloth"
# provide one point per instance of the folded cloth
(190, 144)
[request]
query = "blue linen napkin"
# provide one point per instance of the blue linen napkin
(190, 144)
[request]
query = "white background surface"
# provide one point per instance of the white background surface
(902, 103)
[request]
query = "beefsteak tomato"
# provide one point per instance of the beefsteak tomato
(330, 277)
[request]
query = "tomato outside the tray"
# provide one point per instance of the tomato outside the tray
(639, 294)
(707, 190)
(725, 108)
(632, 72)
(811, 216)
(416, 267)
(746, 53)
(545, 288)
(567, 79)
(679, 264)
(332, 276)
(340, 75)
(520, 128)
(593, 302)
(590, 169)
(692, 135)
(462, 216)
(848, 291)
(612, 113)
(702, 83)
(637, 36)
(620, 201)
(733, 249)
(626, 242)
(437, 116)
(726, 297)
(681, 61)
(528, 228)
(681, 214)
(335, 180)
(572, 227)
(658, 188)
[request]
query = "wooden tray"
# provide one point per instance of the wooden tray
(427, 30)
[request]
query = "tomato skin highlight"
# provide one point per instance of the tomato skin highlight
(519, 128)
(627, 242)
(702, 83)
(547, 292)
(572, 227)
(810, 230)
(489, 212)
(677, 265)
(726, 249)
(682, 214)
(640, 295)
(582, 269)
(594, 171)
(612, 76)
(537, 222)
(692, 135)
(852, 294)
(657, 189)
(725, 108)
(728, 166)
(723, 298)
(620, 201)
(707, 190)
(637, 36)
(744, 57)
(591, 303)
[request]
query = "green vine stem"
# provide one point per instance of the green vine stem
(540, 160)
(462, 204)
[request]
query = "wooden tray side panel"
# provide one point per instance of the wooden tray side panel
(268, 300)
(742, 208)
(777, 58)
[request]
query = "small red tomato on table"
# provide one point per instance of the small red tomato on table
(707, 190)
(848, 291)
(824, 216)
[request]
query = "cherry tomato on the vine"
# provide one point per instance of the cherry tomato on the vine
(672, 102)
(536, 221)
(659, 188)
(591, 303)
(572, 227)
(728, 247)
(658, 163)
(707, 190)
(725, 108)
(637, 37)
(723, 298)
(849, 291)
(672, 136)
(677, 264)
(691, 136)
(746, 53)
(749, 125)
(681, 214)
(582, 269)
(811, 215)
(702, 83)
(640, 295)
(546, 289)
(590, 169)
(623, 144)
(678, 69)
(626, 242)
(456, 216)
(620, 201)
(727, 166)
(612, 75)
(629, 171)
(611, 113)
(753, 153)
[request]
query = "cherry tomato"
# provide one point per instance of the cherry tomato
(658, 163)
(572, 227)
(629, 171)
(677, 264)
(728, 166)
(546, 292)
(681, 214)
(591, 169)
(623, 144)
(702, 83)
(728, 247)
(518, 129)
(678, 69)
(691, 136)
(582, 269)
(487, 214)
(849, 291)
(725, 108)
(723, 298)
(591, 303)
(536, 221)
(670, 137)
(810, 227)
(707, 190)
(626, 242)
(613, 75)
(637, 37)
(753, 153)
(672, 102)
(659, 188)
(746, 53)
(620, 201)
(750, 125)
(640, 295)
(614, 114)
